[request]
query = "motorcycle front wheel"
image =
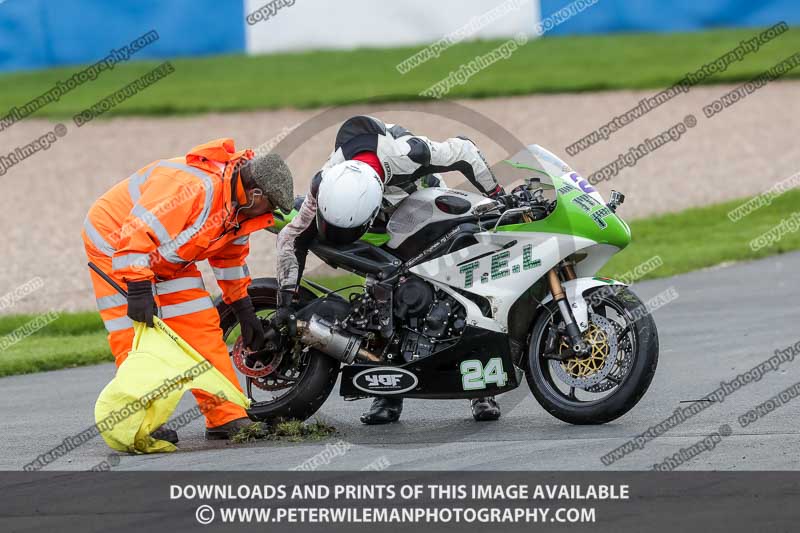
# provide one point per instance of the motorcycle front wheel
(606, 383)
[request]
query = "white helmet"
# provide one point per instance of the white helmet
(348, 200)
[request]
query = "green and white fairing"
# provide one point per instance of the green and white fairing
(509, 260)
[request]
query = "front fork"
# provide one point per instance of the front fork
(566, 270)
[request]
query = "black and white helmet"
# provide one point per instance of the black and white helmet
(348, 200)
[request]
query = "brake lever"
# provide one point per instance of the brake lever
(514, 211)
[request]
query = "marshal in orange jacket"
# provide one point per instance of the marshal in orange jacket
(154, 226)
(173, 213)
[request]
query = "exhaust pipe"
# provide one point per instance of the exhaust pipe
(319, 334)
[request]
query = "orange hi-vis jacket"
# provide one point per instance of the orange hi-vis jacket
(174, 212)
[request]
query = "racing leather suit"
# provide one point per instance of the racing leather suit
(402, 160)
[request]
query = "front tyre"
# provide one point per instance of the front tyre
(605, 384)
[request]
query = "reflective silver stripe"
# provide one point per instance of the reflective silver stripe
(169, 250)
(231, 273)
(151, 220)
(122, 261)
(97, 239)
(179, 284)
(118, 324)
(170, 253)
(136, 180)
(110, 302)
(241, 241)
(186, 308)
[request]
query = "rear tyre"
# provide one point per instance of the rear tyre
(316, 372)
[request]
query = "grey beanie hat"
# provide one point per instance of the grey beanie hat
(270, 174)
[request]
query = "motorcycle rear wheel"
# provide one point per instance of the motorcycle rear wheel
(317, 376)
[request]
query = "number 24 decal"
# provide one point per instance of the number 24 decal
(476, 376)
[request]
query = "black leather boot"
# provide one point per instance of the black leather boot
(226, 431)
(164, 433)
(383, 411)
(485, 409)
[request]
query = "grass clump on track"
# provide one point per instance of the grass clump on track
(288, 430)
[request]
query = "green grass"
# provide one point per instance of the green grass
(323, 78)
(703, 237)
(74, 339)
(685, 241)
(42, 352)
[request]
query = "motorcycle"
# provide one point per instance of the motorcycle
(466, 297)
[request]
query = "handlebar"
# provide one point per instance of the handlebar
(522, 201)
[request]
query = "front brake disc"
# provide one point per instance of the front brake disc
(588, 370)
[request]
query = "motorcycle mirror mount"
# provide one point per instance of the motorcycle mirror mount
(617, 198)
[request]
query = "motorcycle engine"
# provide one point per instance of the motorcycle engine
(426, 319)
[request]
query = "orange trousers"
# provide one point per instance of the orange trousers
(186, 307)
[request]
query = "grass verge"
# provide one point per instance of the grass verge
(685, 241)
(703, 237)
(324, 78)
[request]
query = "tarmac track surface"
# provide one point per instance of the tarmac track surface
(725, 321)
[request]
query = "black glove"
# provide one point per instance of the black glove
(284, 316)
(141, 303)
(252, 330)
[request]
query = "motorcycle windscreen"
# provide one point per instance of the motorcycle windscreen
(541, 165)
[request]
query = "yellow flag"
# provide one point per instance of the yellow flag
(148, 385)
